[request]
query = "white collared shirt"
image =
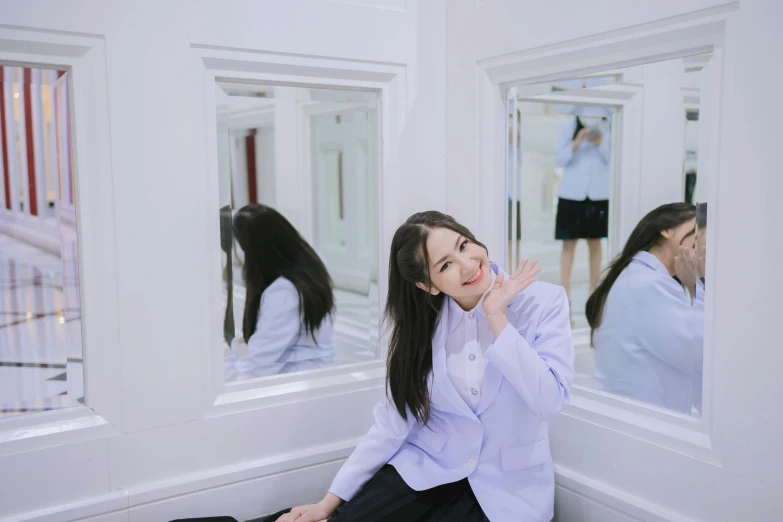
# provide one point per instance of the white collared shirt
(468, 339)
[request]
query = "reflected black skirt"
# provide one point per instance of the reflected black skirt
(585, 219)
(387, 498)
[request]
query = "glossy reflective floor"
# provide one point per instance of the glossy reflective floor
(539, 243)
(40, 329)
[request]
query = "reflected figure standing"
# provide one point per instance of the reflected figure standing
(647, 327)
(583, 196)
(290, 302)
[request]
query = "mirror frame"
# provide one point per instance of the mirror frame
(688, 435)
(388, 81)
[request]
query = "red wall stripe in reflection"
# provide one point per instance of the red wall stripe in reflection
(4, 144)
(250, 154)
(28, 127)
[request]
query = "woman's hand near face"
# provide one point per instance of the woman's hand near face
(580, 137)
(504, 291)
(596, 138)
(701, 252)
(686, 268)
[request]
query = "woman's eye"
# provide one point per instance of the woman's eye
(445, 266)
(463, 245)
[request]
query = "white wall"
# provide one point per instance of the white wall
(616, 460)
(152, 441)
(265, 165)
(663, 131)
(152, 446)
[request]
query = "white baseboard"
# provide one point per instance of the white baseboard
(251, 490)
(573, 507)
(579, 498)
(244, 500)
(244, 491)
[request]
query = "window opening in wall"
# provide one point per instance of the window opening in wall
(298, 175)
(41, 365)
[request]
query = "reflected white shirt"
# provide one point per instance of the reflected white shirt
(468, 339)
(280, 344)
(585, 170)
(649, 346)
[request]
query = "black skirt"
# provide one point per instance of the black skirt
(387, 498)
(585, 219)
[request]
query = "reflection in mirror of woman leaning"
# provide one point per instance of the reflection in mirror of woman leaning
(289, 303)
(478, 361)
(648, 327)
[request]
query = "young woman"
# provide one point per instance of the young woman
(477, 363)
(582, 150)
(648, 327)
(289, 303)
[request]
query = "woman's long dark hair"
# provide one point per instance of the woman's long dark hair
(579, 126)
(274, 248)
(644, 237)
(412, 313)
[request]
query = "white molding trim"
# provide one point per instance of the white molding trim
(389, 81)
(660, 41)
(314, 384)
(84, 59)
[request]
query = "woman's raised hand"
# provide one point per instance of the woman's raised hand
(504, 291)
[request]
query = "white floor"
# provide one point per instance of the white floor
(538, 243)
(40, 330)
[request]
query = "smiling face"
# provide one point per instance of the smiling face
(458, 267)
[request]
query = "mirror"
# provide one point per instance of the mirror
(298, 219)
(602, 172)
(40, 310)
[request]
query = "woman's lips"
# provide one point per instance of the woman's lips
(476, 277)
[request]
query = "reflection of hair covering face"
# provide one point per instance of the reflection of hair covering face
(701, 215)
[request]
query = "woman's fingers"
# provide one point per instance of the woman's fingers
(532, 267)
(520, 269)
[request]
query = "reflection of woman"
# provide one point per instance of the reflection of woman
(647, 329)
(289, 305)
(583, 206)
(478, 361)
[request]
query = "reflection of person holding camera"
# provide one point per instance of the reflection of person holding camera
(583, 207)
